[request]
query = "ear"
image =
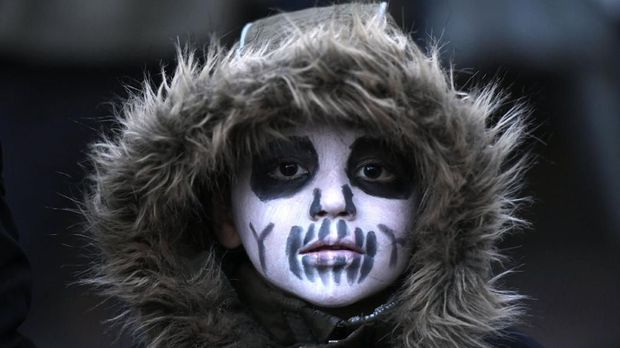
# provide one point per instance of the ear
(227, 234)
(225, 230)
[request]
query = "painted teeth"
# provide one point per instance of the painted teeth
(355, 272)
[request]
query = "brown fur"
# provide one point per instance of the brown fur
(154, 178)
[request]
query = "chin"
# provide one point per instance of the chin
(334, 298)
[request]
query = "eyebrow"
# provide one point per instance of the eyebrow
(368, 145)
(298, 145)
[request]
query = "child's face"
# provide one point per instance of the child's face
(325, 215)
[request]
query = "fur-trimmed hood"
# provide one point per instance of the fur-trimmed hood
(150, 201)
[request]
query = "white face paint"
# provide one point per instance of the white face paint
(325, 216)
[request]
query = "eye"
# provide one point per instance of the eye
(374, 172)
(288, 171)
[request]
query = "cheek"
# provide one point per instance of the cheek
(397, 214)
(283, 213)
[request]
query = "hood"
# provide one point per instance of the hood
(175, 147)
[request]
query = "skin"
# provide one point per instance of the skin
(324, 216)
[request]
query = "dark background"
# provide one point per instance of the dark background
(64, 64)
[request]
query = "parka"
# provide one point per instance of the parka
(158, 177)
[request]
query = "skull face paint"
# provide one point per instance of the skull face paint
(325, 215)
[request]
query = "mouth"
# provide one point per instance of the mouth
(327, 246)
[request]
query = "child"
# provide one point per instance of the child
(322, 183)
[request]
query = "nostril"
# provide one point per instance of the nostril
(332, 203)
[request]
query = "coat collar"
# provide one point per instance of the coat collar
(291, 321)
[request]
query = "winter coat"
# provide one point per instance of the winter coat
(156, 177)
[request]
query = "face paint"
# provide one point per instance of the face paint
(378, 171)
(260, 241)
(284, 169)
(316, 256)
(395, 242)
(325, 215)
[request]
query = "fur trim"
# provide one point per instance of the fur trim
(154, 179)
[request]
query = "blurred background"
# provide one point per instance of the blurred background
(65, 64)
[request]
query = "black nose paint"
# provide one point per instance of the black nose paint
(294, 150)
(348, 200)
(316, 209)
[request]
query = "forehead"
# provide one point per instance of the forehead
(325, 138)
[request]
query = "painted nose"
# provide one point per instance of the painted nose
(333, 203)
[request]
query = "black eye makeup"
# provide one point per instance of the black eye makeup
(288, 171)
(284, 168)
(374, 171)
(378, 170)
